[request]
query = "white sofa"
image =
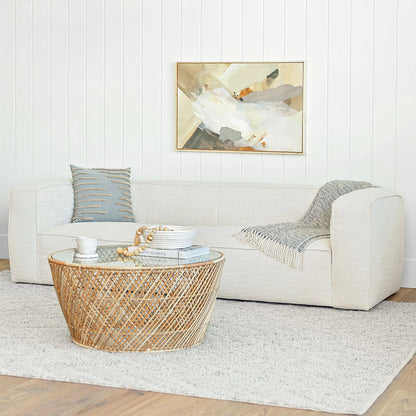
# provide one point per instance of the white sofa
(356, 268)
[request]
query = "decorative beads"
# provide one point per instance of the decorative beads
(138, 248)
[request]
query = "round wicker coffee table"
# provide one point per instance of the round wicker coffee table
(143, 304)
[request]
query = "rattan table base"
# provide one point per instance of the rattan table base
(137, 309)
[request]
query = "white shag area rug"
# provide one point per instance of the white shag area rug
(283, 355)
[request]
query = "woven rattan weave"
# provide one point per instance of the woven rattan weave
(130, 306)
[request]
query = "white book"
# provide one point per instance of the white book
(176, 253)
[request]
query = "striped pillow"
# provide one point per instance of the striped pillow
(102, 195)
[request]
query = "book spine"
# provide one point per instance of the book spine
(151, 252)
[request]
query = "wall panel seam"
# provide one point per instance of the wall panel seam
(85, 82)
(14, 106)
(122, 85)
(327, 90)
(372, 96)
(103, 83)
(161, 91)
(67, 80)
(50, 89)
(350, 89)
(32, 93)
(395, 98)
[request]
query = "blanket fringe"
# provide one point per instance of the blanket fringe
(280, 252)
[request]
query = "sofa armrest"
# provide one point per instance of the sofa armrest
(34, 208)
(367, 241)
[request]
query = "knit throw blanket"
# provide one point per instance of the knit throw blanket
(286, 241)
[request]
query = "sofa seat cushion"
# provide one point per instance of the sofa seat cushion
(248, 273)
(109, 233)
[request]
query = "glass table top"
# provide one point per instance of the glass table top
(108, 257)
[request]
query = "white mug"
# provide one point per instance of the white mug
(86, 245)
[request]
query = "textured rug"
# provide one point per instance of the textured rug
(284, 355)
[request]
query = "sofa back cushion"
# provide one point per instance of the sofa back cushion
(194, 203)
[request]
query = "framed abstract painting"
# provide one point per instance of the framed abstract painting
(240, 107)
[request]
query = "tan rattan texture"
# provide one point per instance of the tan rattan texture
(137, 309)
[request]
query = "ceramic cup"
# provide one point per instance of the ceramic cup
(86, 245)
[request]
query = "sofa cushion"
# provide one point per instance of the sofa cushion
(248, 272)
(123, 233)
(101, 195)
(251, 275)
(184, 203)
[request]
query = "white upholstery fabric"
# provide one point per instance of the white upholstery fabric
(34, 208)
(239, 281)
(251, 275)
(358, 267)
(219, 204)
(367, 229)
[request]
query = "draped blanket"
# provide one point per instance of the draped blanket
(286, 241)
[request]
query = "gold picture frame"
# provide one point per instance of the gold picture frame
(243, 107)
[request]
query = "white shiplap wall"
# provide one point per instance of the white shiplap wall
(92, 82)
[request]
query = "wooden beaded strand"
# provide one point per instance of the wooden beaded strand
(141, 247)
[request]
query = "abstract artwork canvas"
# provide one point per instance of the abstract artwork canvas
(240, 107)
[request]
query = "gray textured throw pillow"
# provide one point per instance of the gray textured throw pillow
(102, 195)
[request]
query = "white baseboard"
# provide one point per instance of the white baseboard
(409, 273)
(4, 247)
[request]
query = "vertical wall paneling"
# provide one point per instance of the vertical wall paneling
(211, 51)
(339, 89)
(132, 77)
(273, 51)
(7, 71)
(316, 94)
(406, 126)
(41, 90)
(95, 83)
(252, 165)
(295, 50)
(361, 89)
(151, 89)
(384, 119)
(113, 79)
(24, 97)
(231, 50)
(77, 146)
(171, 51)
(190, 52)
(59, 89)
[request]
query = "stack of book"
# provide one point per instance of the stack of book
(176, 253)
